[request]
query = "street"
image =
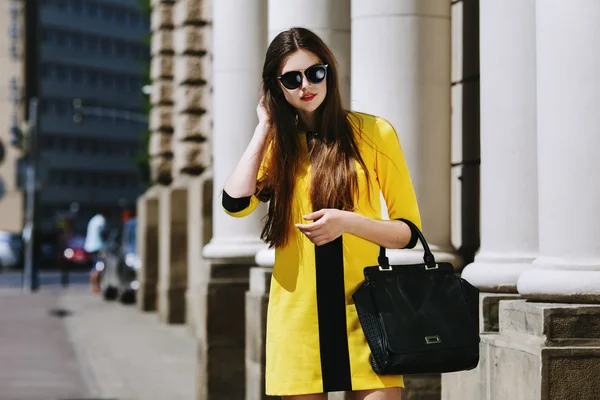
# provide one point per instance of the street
(68, 344)
(13, 279)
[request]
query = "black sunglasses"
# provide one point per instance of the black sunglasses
(314, 74)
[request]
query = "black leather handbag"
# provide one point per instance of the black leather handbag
(420, 318)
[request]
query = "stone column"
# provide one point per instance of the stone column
(401, 72)
(161, 73)
(330, 19)
(568, 268)
(147, 248)
(240, 40)
(545, 349)
(509, 235)
(191, 150)
(508, 204)
(403, 48)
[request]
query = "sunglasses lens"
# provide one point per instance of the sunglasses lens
(291, 80)
(316, 74)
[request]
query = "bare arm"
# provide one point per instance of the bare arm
(242, 182)
(331, 224)
(389, 234)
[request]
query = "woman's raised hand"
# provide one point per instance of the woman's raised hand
(263, 115)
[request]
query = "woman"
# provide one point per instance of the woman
(321, 168)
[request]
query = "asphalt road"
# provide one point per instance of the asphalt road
(13, 279)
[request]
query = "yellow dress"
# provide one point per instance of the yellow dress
(315, 343)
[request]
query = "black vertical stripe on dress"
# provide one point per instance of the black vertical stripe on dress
(331, 308)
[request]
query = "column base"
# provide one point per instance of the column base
(265, 257)
(171, 304)
(497, 272)
(200, 203)
(243, 249)
(561, 281)
(173, 252)
(415, 256)
(147, 247)
(489, 310)
(220, 331)
(257, 300)
(543, 351)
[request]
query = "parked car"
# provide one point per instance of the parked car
(11, 250)
(118, 262)
(74, 254)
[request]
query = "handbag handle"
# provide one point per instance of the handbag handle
(427, 257)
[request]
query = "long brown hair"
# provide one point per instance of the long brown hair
(332, 156)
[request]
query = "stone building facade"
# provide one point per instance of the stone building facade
(513, 83)
(11, 48)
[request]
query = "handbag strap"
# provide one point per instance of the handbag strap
(428, 255)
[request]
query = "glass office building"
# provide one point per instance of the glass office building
(94, 51)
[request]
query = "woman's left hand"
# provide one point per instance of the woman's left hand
(329, 225)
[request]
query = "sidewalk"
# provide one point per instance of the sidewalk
(37, 359)
(97, 350)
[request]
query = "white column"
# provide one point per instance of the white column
(240, 44)
(509, 238)
(401, 72)
(568, 97)
(330, 19)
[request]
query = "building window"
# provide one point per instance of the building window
(134, 18)
(106, 46)
(134, 84)
(78, 179)
(92, 9)
(61, 73)
(46, 71)
(76, 41)
(48, 142)
(121, 49)
(91, 77)
(64, 144)
(62, 5)
(107, 13)
(77, 75)
(62, 39)
(120, 16)
(61, 107)
(48, 36)
(121, 82)
(107, 80)
(91, 43)
(76, 7)
(63, 178)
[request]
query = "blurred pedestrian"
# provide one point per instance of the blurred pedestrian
(322, 168)
(94, 243)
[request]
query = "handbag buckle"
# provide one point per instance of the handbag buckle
(388, 269)
(429, 268)
(432, 339)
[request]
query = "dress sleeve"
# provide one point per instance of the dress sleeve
(243, 206)
(394, 178)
